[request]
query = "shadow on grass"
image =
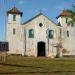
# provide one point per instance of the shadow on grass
(6, 64)
(42, 72)
(38, 72)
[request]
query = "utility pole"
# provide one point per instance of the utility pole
(4, 53)
(5, 26)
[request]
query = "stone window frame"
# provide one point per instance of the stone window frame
(31, 33)
(51, 34)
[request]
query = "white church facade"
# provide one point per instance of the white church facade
(39, 36)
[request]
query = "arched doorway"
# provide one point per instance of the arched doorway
(41, 49)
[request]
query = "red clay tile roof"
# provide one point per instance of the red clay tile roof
(64, 13)
(14, 10)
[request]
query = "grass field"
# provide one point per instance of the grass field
(18, 65)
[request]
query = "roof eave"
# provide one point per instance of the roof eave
(63, 16)
(14, 13)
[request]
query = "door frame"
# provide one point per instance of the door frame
(41, 45)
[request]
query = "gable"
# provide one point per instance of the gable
(39, 16)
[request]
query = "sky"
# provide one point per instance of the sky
(30, 8)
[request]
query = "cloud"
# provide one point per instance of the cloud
(21, 2)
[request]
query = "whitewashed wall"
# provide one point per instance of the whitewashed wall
(15, 41)
(41, 35)
(68, 42)
(20, 43)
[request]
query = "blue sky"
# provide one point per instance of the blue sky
(30, 8)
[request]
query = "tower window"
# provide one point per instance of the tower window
(14, 31)
(67, 33)
(31, 33)
(51, 34)
(14, 17)
(66, 19)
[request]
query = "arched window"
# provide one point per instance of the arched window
(51, 34)
(31, 33)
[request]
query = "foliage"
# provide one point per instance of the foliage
(72, 11)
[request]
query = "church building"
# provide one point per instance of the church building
(40, 36)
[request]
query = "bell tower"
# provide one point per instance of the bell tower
(64, 17)
(13, 30)
(68, 37)
(14, 15)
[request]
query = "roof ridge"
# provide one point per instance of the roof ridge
(33, 18)
(37, 16)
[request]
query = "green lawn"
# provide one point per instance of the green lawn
(18, 65)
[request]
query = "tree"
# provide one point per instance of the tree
(72, 11)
